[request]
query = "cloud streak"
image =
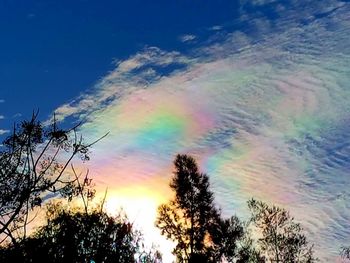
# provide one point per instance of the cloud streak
(187, 38)
(2, 132)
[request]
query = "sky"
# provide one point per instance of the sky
(257, 91)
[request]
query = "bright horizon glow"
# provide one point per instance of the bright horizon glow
(140, 206)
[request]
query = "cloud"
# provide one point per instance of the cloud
(187, 38)
(148, 57)
(264, 109)
(2, 132)
(257, 2)
(127, 76)
(216, 28)
(2, 100)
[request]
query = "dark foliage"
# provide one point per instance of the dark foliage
(345, 253)
(191, 219)
(247, 252)
(33, 164)
(76, 236)
(282, 240)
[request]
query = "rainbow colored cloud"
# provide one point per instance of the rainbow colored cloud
(265, 112)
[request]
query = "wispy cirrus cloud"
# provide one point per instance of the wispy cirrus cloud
(2, 132)
(258, 2)
(130, 74)
(215, 28)
(187, 38)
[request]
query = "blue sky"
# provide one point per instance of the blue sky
(258, 91)
(51, 51)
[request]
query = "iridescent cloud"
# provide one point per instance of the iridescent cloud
(264, 110)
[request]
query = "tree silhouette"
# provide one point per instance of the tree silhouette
(247, 251)
(76, 236)
(282, 240)
(345, 253)
(191, 219)
(33, 164)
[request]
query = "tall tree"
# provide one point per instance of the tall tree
(281, 239)
(33, 164)
(191, 219)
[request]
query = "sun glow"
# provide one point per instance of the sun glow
(140, 204)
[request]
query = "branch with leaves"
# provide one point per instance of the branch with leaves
(33, 165)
